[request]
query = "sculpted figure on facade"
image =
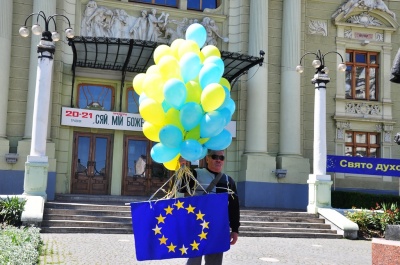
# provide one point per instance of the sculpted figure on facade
(347, 7)
(120, 24)
(212, 32)
(86, 27)
(100, 21)
(179, 32)
(156, 25)
(139, 29)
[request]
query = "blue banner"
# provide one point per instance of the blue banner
(363, 165)
(181, 227)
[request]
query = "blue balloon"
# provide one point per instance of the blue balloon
(190, 64)
(209, 73)
(229, 104)
(191, 150)
(216, 60)
(171, 136)
(197, 33)
(190, 115)
(166, 106)
(225, 112)
(220, 141)
(161, 154)
(211, 124)
(175, 93)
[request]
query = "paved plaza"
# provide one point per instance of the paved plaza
(119, 249)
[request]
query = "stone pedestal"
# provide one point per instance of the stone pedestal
(385, 252)
(319, 192)
(36, 174)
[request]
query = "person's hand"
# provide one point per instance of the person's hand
(234, 237)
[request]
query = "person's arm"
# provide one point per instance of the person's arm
(234, 208)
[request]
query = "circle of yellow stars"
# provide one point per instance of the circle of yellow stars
(179, 205)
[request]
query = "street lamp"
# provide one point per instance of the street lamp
(36, 167)
(319, 182)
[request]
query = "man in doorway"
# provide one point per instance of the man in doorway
(215, 163)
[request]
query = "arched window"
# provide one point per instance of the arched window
(132, 101)
(96, 97)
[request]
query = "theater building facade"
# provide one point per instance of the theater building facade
(95, 142)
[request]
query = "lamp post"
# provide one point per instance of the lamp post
(36, 167)
(319, 193)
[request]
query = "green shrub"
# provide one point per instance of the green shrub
(11, 210)
(372, 223)
(348, 200)
(19, 245)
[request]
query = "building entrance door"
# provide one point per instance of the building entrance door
(141, 175)
(91, 164)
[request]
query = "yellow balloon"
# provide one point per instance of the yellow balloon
(138, 83)
(224, 82)
(173, 164)
(188, 46)
(151, 131)
(152, 111)
(210, 50)
(194, 90)
(202, 57)
(161, 51)
(154, 69)
(175, 47)
(212, 97)
(203, 140)
(169, 67)
(172, 118)
(193, 133)
(153, 86)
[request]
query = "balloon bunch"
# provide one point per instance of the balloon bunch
(184, 100)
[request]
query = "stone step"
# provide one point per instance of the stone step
(87, 217)
(85, 230)
(282, 219)
(244, 229)
(289, 235)
(75, 223)
(110, 214)
(87, 206)
(285, 224)
(87, 212)
(263, 212)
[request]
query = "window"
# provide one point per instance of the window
(201, 4)
(363, 144)
(132, 101)
(361, 75)
(171, 3)
(96, 97)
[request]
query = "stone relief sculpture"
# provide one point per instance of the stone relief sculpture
(86, 27)
(212, 32)
(100, 21)
(348, 33)
(347, 7)
(318, 27)
(364, 19)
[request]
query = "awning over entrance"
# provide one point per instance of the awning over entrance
(129, 55)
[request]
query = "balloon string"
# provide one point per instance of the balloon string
(179, 183)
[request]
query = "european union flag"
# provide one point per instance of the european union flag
(181, 227)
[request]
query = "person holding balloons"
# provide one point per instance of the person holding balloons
(215, 162)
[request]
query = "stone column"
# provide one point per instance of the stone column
(49, 8)
(6, 19)
(256, 164)
(319, 183)
(257, 92)
(290, 156)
